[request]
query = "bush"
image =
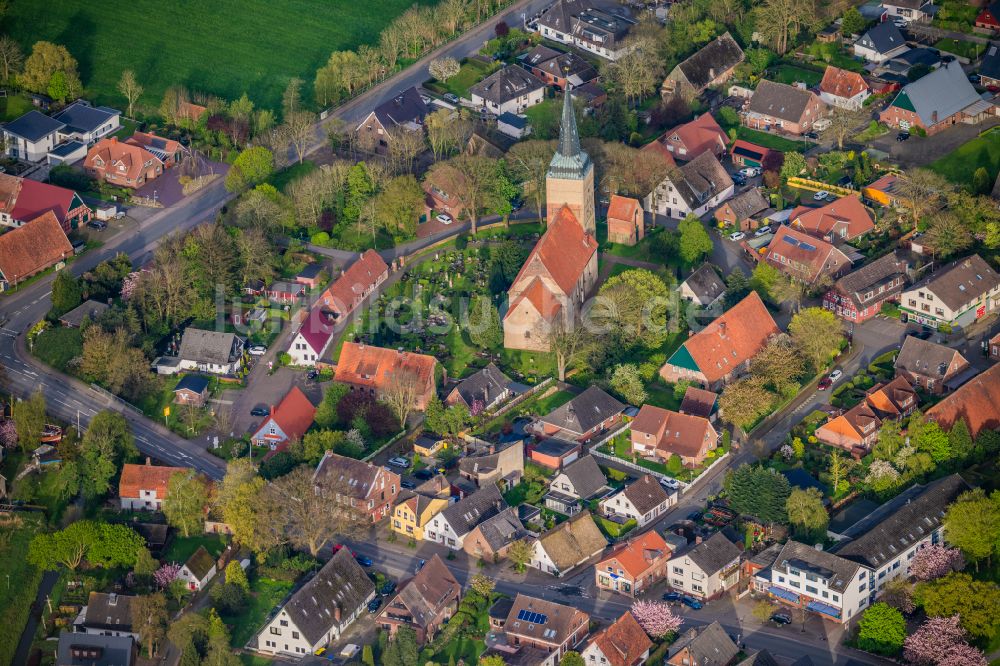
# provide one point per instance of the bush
(228, 598)
(284, 358)
(66, 176)
(322, 238)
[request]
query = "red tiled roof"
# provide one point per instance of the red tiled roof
(110, 153)
(889, 398)
(144, 139)
(637, 555)
(698, 136)
(190, 110)
(317, 329)
(33, 247)
(678, 433)
(806, 257)
(977, 401)
(623, 208)
(564, 250)
(845, 218)
(658, 148)
(544, 301)
(364, 365)
(136, 478)
(623, 642)
(362, 275)
(842, 83)
(30, 198)
(294, 414)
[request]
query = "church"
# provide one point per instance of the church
(561, 270)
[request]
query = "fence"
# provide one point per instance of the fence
(121, 401)
(522, 398)
(807, 184)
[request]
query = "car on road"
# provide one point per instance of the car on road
(388, 588)
(363, 561)
(781, 618)
(669, 484)
(902, 136)
(737, 236)
(923, 334)
(451, 97)
(420, 565)
(766, 229)
(97, 224)
(811, 135)
(672, 595)
(691, 602)
(824, 384)
(738, 179)
(835, 375)
(260, 411)
(399, 462)
(444, 218)
(374, 605)
(821, 195)
(257, 350)
(425, 474)
(749, 172)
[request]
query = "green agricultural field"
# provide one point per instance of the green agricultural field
(225, 47)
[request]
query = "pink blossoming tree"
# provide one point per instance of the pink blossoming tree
(934, 637)
(963, 654)
(166, 574)
(936, 561)
(656, 618)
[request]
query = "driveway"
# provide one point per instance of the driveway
(267, 391)
(919, 151)
(168, 190)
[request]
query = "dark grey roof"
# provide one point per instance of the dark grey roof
(78, 649)
(68, 148)
(507, 84)
(538, 55)
(585, 411)
(508, 118)
(475, 509)
(701, 179)
(706, 283)
(193, 383)
(586, 476)
(645, 493)
(509, 457)
(962, 281)
(559, 64)
(484, 385)
(923, 357)
(711, 646)
(919, 56)
(207, 346)
(109, 611)
(406, 107)
(429, 592)
(502, 529)
(870, 277)
(711, 60)
(200, 563)
(779, 100)
(33, 125)
(990, 65)
(896, 526)
(762, 658)
(766, 557)
(341, 583)
(86, 310)
(501, 608)
(837, 572)
(555, 447)
(883, 38)
(712, 554)
(939, 94)
(749, 203)
(83, 118)
(155, 534)
(311, 270)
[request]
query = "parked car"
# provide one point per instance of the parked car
(821, 195)
(737, 236)
(388, 588)
(260, 411)
(97, 224)
(899, 23)
(902, 136)
(451, 97)
(738, 179)
(425, 99)
(312, 374)
(374, 605)
(923, 334)
(420, 565)
(444, 218)
(399, 462)
(695, 516)
(425, 474)
(835, 375)
(781, 618)
(409, 485)
(749, 172)
(691, 602)
(257, 350)
(766, 229)
(672, 595)
(668, 483)
(363, 561)
(824, 384)
(811, 135)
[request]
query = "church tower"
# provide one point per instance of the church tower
(570, 179)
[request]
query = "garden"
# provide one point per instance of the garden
(472, 71)
(16, 531)
(620, 446)
(961, 164)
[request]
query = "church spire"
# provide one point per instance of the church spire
(569, 137)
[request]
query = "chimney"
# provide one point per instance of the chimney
(336, 613)
(149, 461)
(722, 330)
(114, 139)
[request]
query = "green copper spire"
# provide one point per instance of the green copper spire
(569, 161)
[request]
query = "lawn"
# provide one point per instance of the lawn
(13, 107)
(265, 594)
(790, 74)
(16, 531)
(548, 403)
(181, 548)
(282, 178)
(959, 165)
(471, 72)
(225, 48)
(58, 346)
(970, 50)
(772, 141)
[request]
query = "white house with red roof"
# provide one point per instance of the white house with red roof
(288, 421)
(145, 486)
(23, 200)
(843, 89)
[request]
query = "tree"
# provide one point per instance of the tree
(482, 585)
(839, 467)
(656, 618)
(793, 165)
(444, 68)
(291, 98)
(468, 178)
(695, 242)
(145, 563)
(963, 654)
(484, 326)
(402, 393)
(626, 382)
(633, 307)
(934, 638)
(780, 20)
(67, 547)
(107, 444)
(66, 293)
(184, 506)
(744, 401)
(853, 23)
(960, 440)
(45, 62)
(235, 575)
(568, 340)
(252, 166)
(947, 235)
(114, 545)
(529, 163)
(149, 619)
(758, 491)
(520, 553)
(29, 419)
(976, 602)
(447, 131)
(972, 523)
(898, 593)
(921, 191)
(844, 123)
(807, 514)
(492, 660)
(307, 518)
(399, 205)
(890, 440)
(882, 629)
(817, 333)
(11, 57)
(572, 658)
(130, 89)
(780, 364)
(402, 649)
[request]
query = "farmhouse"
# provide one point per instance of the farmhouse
(31, 249)
(711, 65)
(693, 188)
(24, 199)
(374, 369)
(688, 141)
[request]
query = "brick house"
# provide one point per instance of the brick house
(372, 369)
(23, 200)
(191, 390)
(406, 111)
(424, 603)
(633, 566)
(859, 295)
(557, 69)
(168, 151)
(936, 101)
(746, 154)
(625, 220)
(31, 249)
(661, 433)
(856, 430)
(144, 487)
(977, 402)
(781, 107)
(993, 348)
(554, 452)
(743, 210)
(369, 488)
(842, 220)
(805, 257)
(287, 422)
(122, 163)
(932, 367)
(688, 141)
(547, 627)
(622, 643)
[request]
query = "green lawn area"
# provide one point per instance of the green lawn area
(13, 107)
(471, 72)
(613, 529)
(224, 48)
(660, 394)
(787, 73)
(282, 178)
(265, 594)
(959, 165)
(970, 50)
(16, 599)
(772, 141)
(126, 130)
(181, 548)
(548, 403)
(58, 346)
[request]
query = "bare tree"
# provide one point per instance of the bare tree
(844, 123)
(312, 519)
(129, 87)
(529, 162)
(922, 191)
(779, 20)
(402, 393)
(11, 57)
(568, 339)
(299, 129)
(404, 146)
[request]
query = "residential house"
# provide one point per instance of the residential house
(579, 481)
(833, 587)
(804, 257)
(883, 42)
(168, 151)
(993, 348)
(707, 568)
(587, 415)
(989, 17)
(721, 351)
(312, 340)
(144, 487)
(915, 61)
(490, 540)
(568, 545)
(414, 510)
(591, 25)
(458, 520)
(936, 101)
(31, 136)
(662, 433)
(284, 293)
(75, 649)
(367, 487)
(406, 111)
(704, 286)
(622, 643)
(643, 501)
(319, 612)
(626, 222)
(893, 399)
(709, 66)
(373, 369)
(693, 188)
(216, 352)
(959, 294)
(856, 430)
(989, 67)
(843, 89)
(657, 147)
(688, 141)
(122, 163)
(509, 90)
(24, 199)
(783, 108)
(886, 540)
(550, 628)
(558, 69)
(930, 366)
(634, 565)
(191, 390)
(288, 422)
(88, 311)
(921, 11)
(31, 249)
(503, 465)
(712, 646)
(85, 123)
(106, 614)
(746, 154)
(424, 603)
(484, 390)
(743, 210)
(699, 402)
(977, 403)
(844, 219)
(859, 295)
(883, 191)
(199, 569)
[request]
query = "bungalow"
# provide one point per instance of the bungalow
(558, 69)
(371, 489)
(545, 628)
(883, 191)
(406, 110)
(31, 249)
(216, 352)
(509, 90)
(423, 603)
(23, 200)
(688, 141)
(554, 453)
(106, 614)
(122, 163)
(804, 257)
(484, 390)
(978, 403)
(414, 509)
(959, 294)
(743, 211)
(626, 221)
(622, 643)
(722, 350)
(711, 65)
(883, 42)
(284, 293)
(588, 414)
(712, 646)
(842, 220)
(504, 465)
(932, 367)
(88, 311)
(490, 540)
(199, 569)
(707, 568)
(598, 28)
(661, 434)
(191, 390)
(568, 545)
(319, 612)
(374, 370)
(579, 481)
(145, 487)
(843, 89)
(455, 522)
(643, 501)
(936, 101)
(784, 108)
(693, 188)
(287, 422)
(635, 565)
(748, 154)
(859, 295)
(76, 649)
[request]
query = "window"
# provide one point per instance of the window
(861, 588)
(275, 631)
(811, 590)
(794, 584)
(295, 635)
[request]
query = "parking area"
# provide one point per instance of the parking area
(268, 390)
